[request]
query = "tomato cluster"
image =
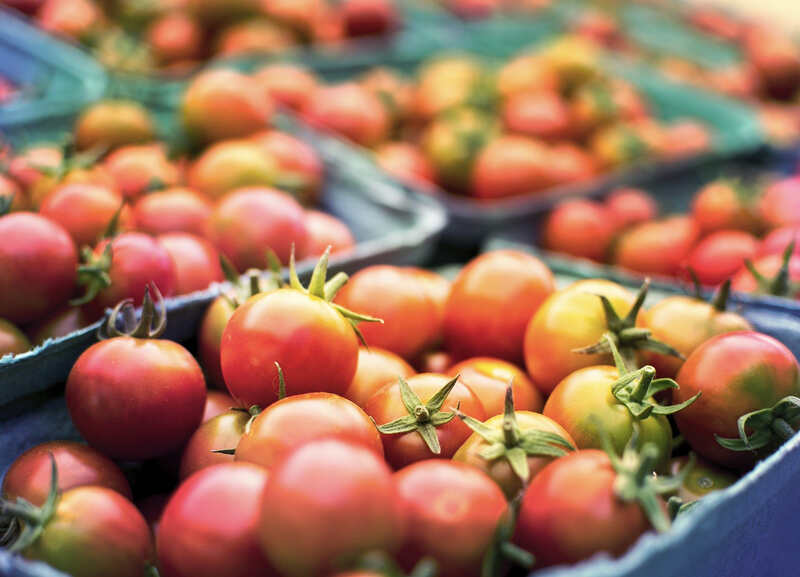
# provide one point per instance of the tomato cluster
(327, 451)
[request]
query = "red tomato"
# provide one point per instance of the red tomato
(581, 228)
(231, 164)
(58, 324)
(26, 167)
(405, 161)
(84, 210)
(137, 169)
(249, 220)
(774, 55)
(629, 206)
(369, 17)
(349, 503)
(780, 203)
(72, 18)
(173, 210)
(12, 340)
(452, 499)
(720, 255)
(287, 84)
(350, 110)
(568, 163)
(402, 449)
(777, 241)
(196, 261)
(325, 230)
(526, 72)
(724, 204)
(223, 103)
(217, 403)
(174, 37)
(30, 474)
(209, 339)
(489, 378)
(250, 37)
(770, 283)
(510, 166)
(685, 138)
(221, 432)
(491, 302)
(542, 115)
(210, 525)
(292, 421)
(37, 267)
(113, 123)
(301, 168)
(434, 362)
(659, 247)
(376, 367)
(737, 373)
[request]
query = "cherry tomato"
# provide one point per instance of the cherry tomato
(386, 405)
(288, 84)
(325, 230)
(217, 403)
(74, 18)
(630, 206)
(376, 367)
(249, 37)
(12, 340)
(96, 175)
(526, 73)
(113, 123)
(720, 255)
(775, 57)
(301, 168)
(58, 324)
(349, 502)
(568, 163)
(779, 204)
(658, 247)
(542, 115)
(37, 267)
(454, 499)
(620, 143)
(600, 102)
(448, 82)
(349, 110)
(685, 138)
(777, 241)
(369, 17)
(137, 169)
(173, 210)
(174, 37)
(84, 210)
(29, 475)
(210, 525)
(26, 167)
(19, 198)
(510, 166)
(724, 204)
(580, 227)
(488, 378)
(737, 373)
(196, 261)
(405, 161)
(703, 479)
(231, 164)
(491, 302)
(395, 91)
(222, 432)
(209, 339)
(770, 283)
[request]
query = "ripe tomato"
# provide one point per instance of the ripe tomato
(231, 164)
(301, 169)
(394, 90)
(769, 279)
(405, 161)
(113, 123)
(526, 73)
(248, 221)
(601, 102)
(454, 499)
(217, 403)
(58, 324)
(619, 144)
(288, 84)
(222, 432)
(196, 261)
(737, 373)
(175, 37)
(12, 340)
(775, 57)
(176, 209)
(542, 115)
(376, 367)
(30, 475)
(580, 227)
(430, 425)
(568, 163)
(703, 478)
(447, 82)
(779, 205)
(491, 302)
(629, 206)
(510, 165)
(27, 166)
(369, 17)
(137, 169)
(84, 210)
(658, 247)
(73, 173)
(685, 138)
(349, 502)
(10, 188)
(488, 378)
(209, 339)
(777, 240)
(350, 110)
(250, 37)
(325, 230)
(223, 103)
(218, 506)
(37, 267)
(720, 255)
(724, 204)
(74, 19)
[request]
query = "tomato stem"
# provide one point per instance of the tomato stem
(782, 429)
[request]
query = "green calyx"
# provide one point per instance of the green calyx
(93, 273)
(625, 335)
(253, 411)
(781, 284)
(32, 519)
(502, 555)
(71, 159)
(636, 481)
(422, 417)
(766, 428)
(636, 389)
(720, 299)
(382, 563)
(514, 444)
(151, 324)
(253, 281)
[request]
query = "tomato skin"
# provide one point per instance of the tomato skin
(8, 187)
(684, 138)
(253, 37)
(175, 209)
(209, 340)
(217, 403)
(657, 247)
(221, 432)
(26, 167)
(629, 206)
(405, 161)
(453, 499)
(777, 241)
(406, 448)
(349, 110)
(288, 84)
(395, 294)
(249, 220)
(376, 367)
(570, 512)
(445, 83)
(73, 18)
(78, 465)
(325, 230)
(84, 210)
(136, 168)
(489, 378)
(349, 502)
(542, 115)
(314, 345)
(220, 506)
(737, 373)
(295, 157)
(685, 323)
(779, 204)
(113, 123)
(720, 255)
(136, 398)
(369, 17)
(768, 266)
(499, 470)
(231, 164)
(510, 166)
(58, 324)
(95, 532)
(38, 260)
(174, 37)
(570, 319)
(703, 478)
(526, 73)
(581, 228)
(491, 302)
(719, 205)
(196, 261)
(96, 175)
(12, 340)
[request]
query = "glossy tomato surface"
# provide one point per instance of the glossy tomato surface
(195, 260)
(209, 339)
(376, 367)
(488, 378)
(172, 210)
(12, 340)
(84, 210)
(221, 432)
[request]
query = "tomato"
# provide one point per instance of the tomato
(720, 255)
(349, 502)
(136, 398)
(526, 73)
(620, 144)
(137, 169)
(658, 247)
(113, 123)
(58, 324)
(537, 114)
(394, 90)
(685, 138)
(196, 261)
(12, 340)
(29, 476)
(222, 103)
(779, 204)
(26, 167)
(222, 432)
(770, 279)
(453, 499)
(396, 295)
(703, 479)
(568, 163)
(325, 230)
(777, 240)
(775, 57)
(131, 260)
(248, 221)
(579, 227)
(488, 378)
(376, 367)
(448, 82)
(175, 209)
(209, 339)
(349, 110)
(210, 525)
(174, 37)
(630, 206)
(405, 161)
(73, 173)
(84, 210)
(724, 204)
(432, 417)
(299, 329)
(299, 15)
(217, 403)
(509, 166)
(369, 17)
(600, 102)
(231, 164)
(250, 37)
(434, 362)
(74, 19)
(37, 267)
(491, 302)
(301, 168)
(737, 373)
(288, 84)
(9, 188)
(574, 60)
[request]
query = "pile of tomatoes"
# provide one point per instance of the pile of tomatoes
(433, 448)
(94, 221)
(476, 9)
(177, 35)
(746, 231)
